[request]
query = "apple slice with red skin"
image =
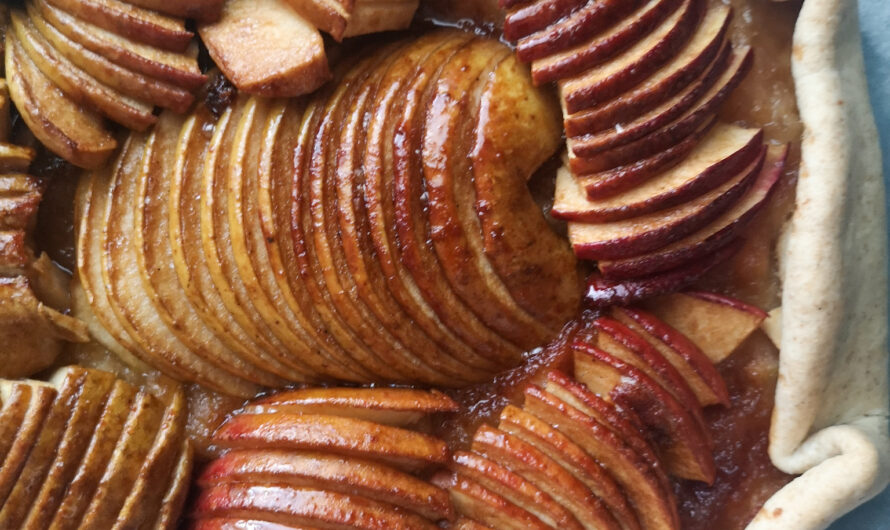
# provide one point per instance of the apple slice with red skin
(634, 64)
(514, 488)
(475, 501)
(177, 490)
(397, 407)
(602, 293)
(725, 152)
(684, 446)
(706, 96)
(703, 49)
(349, 476)
(592, 35)
(375, 16)
(523, 20)
(644, 485)
(557, 446)
(27, 432)
(695, 367)
(179, 69)
(196, 9)
(717, 324)
(130, 21)
(546, 474)
(77, 85)
(708, 239)
(77, 135)
(301, 506)
(401, 448)
(236, 523)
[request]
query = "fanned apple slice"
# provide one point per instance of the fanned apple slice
(177, 490)
(180, 69)
(16, 399)
(706, 45)
(77, 135)
(235, 523)
(376, 207)
(698, 371)
(401, 448)
(330, 16)
(455, 228)
(592, 86)
(266, 48)
(375, 16)
(684, 446)
(723, 153)
(131, 21)
(545, 473)
(196, 9)
(302, 506)
(396, 204)
(398, 407)
(715, 323)
(468, 524)
(126, 81)
(479, 503)
(15, 158)
(146, 497)
(642, 484)
(514, 488)
(524, 19)
(40, 406)
(548, 27)
(139, 432)
(557, 446)
(517, 131)
(101, 446)
(708, 239)
(707, 98)
(630, 237)
(593, 35)
(351, 476)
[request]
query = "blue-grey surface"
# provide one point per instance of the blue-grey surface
(875, 19)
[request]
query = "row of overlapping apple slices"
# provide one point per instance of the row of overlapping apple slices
(591, 452)
(77, 66)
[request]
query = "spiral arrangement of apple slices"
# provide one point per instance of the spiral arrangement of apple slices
(594, 451)
(327, 458)
(656, 190)
(378, 231)
(88, 451)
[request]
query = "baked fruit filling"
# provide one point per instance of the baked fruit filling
(509, 273)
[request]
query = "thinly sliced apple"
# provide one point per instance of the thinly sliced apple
(546, 474)
(375, 16)
(129, 82)
(302, 507)
(235, 523)
(707, 44)
(18, 208)
(401, 448)
(77, 85)
(177, 490)
(517, 131)
(479, 503)
(642, 484)
(25, 435)
(639, 235)
(398, 407)
(101, 446)
(700, 102)
(591, 36)
(715, 323)
(180, 69)
(330, 16)
(556, 445)
(52, 483)
(601, 83)
(602, 293)
(15, 158)
(15, 398)
(350, 476)
(723, 153)
(514, 488)
(77, 135)
(130, 21)
(524, 19)
(266, 48)
(5, 121)
(684, 445)
(139, 432)
(468, 524)
(708, 239)
(197, 9)
(396, 205)
(455, 227)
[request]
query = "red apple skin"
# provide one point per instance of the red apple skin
(523, 21)
(588, 21)
(602, 293)
(731, 302)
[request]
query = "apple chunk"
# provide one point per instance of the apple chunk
(374, 16)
